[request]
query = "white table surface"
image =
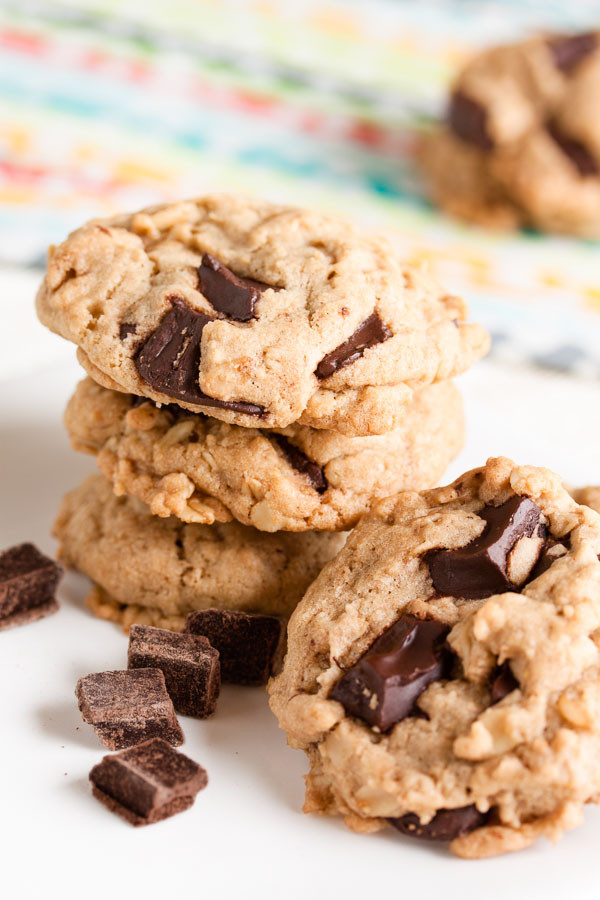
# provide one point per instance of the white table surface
(245, 837)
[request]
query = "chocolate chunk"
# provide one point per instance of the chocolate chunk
(579, 155)
(468, 120)
(503, 682)
(127, 707)
(28, 581)
(188, 662)
(249, 644)
(169, 360)
(372, 331)
(481, 568)
(446, 825)
(384, 685)
(147, 783)
(551, 551)
(228, 293)
(301, 463)
(569, 50)
(126, 329)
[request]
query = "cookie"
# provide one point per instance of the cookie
(590, 496)
(443, 672)
(155, 571)
(256, 314)
(203, 470)
(521, 142)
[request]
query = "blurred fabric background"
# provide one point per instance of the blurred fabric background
(107, 106)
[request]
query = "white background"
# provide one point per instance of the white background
(245, 837)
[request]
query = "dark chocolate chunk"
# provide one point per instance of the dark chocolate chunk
(481, 568)
(551, 551)
(568, 51)
(249, 644)
(188, 662)
(169, 360)
(127, 707)
(28, 581)
(301, 463)
(384, 685)
(126, 329)
(579, 155)
(371, 332)
(503, 682)
(468, 120)
(148, 782)
(446, 825)
(228, 293)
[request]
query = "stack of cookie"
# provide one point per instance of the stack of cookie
(257, 376)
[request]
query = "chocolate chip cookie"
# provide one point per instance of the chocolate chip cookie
(155, 571)
(521, 142)
(256, 314)
(443, 672)
(203, 470)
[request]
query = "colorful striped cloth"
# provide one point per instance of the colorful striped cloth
(108, 106)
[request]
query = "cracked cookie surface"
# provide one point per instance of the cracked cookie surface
(256, 314)
(203, 470)
(521, 143)
(155, 571)
(472, 716)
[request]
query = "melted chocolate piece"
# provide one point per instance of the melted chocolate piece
(371, 332)
(481, 568)
(249, 644)
(228, 293)
(28, 581)
(127, 707)
(551, 551)
(188, 662)
(169, 360)
(126, 329)
(147, 783)
(446, 825)
(468, 120)
(301, 463)
(568, 51)
(503, 682)
(383, 686)
(579, 155)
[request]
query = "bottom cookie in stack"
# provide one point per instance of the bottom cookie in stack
(155, 571)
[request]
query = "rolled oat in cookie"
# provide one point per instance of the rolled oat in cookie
(443, 672)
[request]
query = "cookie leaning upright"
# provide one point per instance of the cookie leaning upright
(443, 672)
(521, 141)
(256, 314)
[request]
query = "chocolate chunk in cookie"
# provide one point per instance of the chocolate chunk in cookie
(248, 644)
(125, 329)
(127, 707)
(579, 155)
(147, 783)
(551, 551)
(482, 568)
(301, 463)
(567, 52)
(229, 294)
(188, 662)
(371, 332)
(384, 685)
(468, 120)
(169, 360)
(28, 581)
(503, 682)
(446, 825)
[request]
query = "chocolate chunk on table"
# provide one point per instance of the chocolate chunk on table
(126, 707)
(480, 569)
(446, 825)
(301, 463)
(384, 685)
(568, 51)
(467, 118)
(188, 662)
(28, 582)
(230, 294)
(148, 782)
(371, 332)
(249, 644)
